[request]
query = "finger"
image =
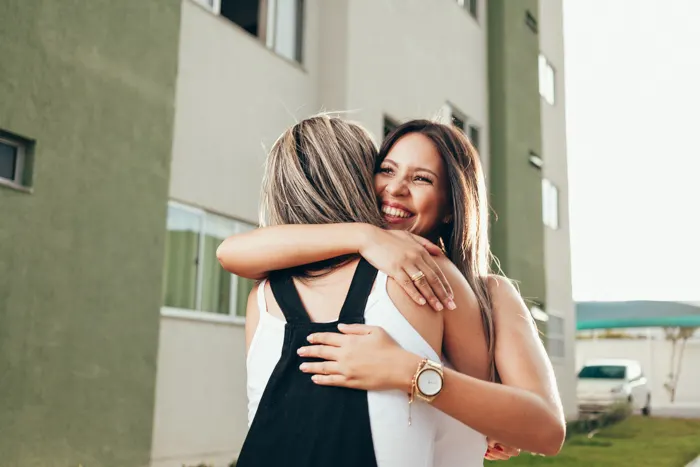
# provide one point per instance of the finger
(499, 453)
(507, 450)
(357, 329)
(324, 352)
(326, 338)
(430, 247)
(320, 368)
(424, 287)
(437, 281)
(494, 456)
(331, 380)
(407, 285)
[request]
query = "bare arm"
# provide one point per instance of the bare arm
(464, 341)
(254, 254)
(399, 254)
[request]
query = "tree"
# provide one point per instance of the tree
(676, 335)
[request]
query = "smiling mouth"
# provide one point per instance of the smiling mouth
(395, 213)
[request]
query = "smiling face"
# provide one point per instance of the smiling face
(413, 188)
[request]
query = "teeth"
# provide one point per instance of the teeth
(395, 212)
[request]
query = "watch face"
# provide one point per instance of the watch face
(429, 382)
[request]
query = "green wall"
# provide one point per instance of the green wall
(514, 106)
(93, 82)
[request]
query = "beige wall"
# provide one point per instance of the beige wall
(201, 413)
(557, 242)
(234, 96)
(418, 56)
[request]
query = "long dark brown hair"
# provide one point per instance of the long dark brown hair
(465, 236)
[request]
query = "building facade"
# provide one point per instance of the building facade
(126, 346)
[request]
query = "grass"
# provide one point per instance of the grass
(637, 441)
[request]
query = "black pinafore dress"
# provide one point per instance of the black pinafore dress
(299, 423)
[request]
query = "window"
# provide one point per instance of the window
(603, 372)
(278, 23)
(193, 278)
(467, 125)
(546, 72)
(550, 204)
(472, 6)
(531, 21)
(15, 160)
(555, 336)
(389, 125)
(474, 136)
(458, 119)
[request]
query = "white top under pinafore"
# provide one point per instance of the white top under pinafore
(434, 439)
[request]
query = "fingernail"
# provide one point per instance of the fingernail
(421, 301)
(310, 338)
(438, 306)
(301, 350)
(451, 305)
(303, 366)
(342, 325)
(314, 378)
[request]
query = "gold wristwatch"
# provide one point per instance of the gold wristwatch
(428, 380)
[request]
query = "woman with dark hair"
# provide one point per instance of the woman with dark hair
(428, 181)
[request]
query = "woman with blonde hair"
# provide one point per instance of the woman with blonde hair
(428, 181)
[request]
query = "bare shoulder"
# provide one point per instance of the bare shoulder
(507, 303)
(460, 286)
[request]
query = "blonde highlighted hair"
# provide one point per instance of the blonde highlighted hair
(320, 171)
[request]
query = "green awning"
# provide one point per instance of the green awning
(634, 314)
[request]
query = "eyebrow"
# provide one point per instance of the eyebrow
(414, 168)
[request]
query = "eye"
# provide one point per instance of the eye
(386, 170)
(420, 178)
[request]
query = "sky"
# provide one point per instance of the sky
(632, 72)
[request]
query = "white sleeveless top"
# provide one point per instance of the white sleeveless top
(434, 439)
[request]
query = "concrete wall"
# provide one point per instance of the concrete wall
(516, 193)
(655, 357)
(557, 243)
(419, 56)
(81, 256)
(234, 98)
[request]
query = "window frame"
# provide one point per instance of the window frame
(544, 66)
(389, 122)
(550, 212)
(267, 25)
(469, 124)
(471, 7)
(558, 337)
(197, 314)
(20, 157)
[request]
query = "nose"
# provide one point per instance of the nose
(397, 187)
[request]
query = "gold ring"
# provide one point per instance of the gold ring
(417, 276)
